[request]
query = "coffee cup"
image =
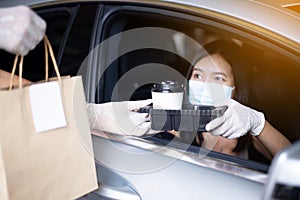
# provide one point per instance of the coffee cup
(167, 95)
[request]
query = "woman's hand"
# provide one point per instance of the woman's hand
(237, 121)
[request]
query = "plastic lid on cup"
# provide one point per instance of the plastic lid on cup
(168, 87)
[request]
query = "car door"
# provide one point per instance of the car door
(147, 39)
(137, 45)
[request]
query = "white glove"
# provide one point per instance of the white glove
(21, 29)
(120, 118)
(237, 121)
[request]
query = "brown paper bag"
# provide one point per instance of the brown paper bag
(3, 185)
(56, 164)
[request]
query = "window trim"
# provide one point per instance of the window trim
(72, 10)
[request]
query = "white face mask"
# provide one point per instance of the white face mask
(205, 93)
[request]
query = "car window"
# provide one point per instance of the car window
(69, 30)
(79, 39)
(57, 22)
(125, 20)
(271, 71)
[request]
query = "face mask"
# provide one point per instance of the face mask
(205, 93)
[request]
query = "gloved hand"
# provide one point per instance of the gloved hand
(21, 29)
(237, 121)
(120, 118)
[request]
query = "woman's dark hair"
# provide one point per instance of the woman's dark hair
(232, 53)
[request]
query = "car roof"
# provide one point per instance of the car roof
(271, 15)
(267, 14)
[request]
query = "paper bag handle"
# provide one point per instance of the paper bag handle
(47, 47)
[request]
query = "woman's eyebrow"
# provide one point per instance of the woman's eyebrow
(198, 69)
(215, 73)
(220, 73)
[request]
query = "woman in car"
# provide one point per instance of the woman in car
(219, 67)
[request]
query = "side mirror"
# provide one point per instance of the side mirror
(284, 175)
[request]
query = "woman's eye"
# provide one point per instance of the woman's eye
(198, 76)
(219, 79)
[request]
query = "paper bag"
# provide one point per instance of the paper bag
(3, 186)
(55, 163)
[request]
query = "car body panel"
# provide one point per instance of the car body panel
(172, 178)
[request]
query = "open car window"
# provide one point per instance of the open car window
(69, 29)
(58, 22)
(130, 64)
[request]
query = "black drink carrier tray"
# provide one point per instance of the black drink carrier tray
(191, 118)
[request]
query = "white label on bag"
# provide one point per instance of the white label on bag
(46, 105)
